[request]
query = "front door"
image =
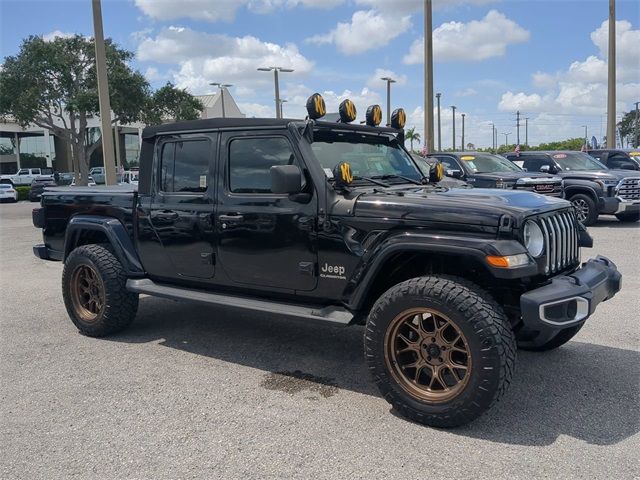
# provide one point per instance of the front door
(264, 239)
(181, 210)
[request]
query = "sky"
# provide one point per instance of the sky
(547, 59)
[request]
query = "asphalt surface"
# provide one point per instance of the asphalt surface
(201, 392)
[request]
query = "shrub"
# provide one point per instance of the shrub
(23, 192)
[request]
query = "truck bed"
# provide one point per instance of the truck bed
(64, 203)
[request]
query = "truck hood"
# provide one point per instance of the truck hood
(512, 176)
(477, 206)
(599, 174)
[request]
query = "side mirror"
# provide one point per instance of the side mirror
(548, 169)
(454, 173)
(286, 179)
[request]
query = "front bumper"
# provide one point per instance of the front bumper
(569, 300)
(628, 206)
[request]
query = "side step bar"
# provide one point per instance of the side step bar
(331, 314)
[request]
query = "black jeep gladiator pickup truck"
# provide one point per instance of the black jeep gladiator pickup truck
(333, 222)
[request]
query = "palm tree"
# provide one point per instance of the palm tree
(413, 136)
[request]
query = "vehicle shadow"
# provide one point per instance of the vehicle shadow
(613, 222)
(590, 392)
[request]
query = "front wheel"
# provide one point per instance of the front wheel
(440, 350)
(628, 217)
(585, 207)
(95, 293)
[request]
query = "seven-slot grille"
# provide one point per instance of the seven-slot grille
(560, 232)
(629, 189)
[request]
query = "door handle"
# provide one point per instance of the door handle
(231, 218)
(166, 215)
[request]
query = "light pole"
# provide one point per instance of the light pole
(611, 63)
(282, 100)
(526, 131)
(438, 95)
(453, 108)
(222, 86)
(585, 138)
(276, 83)
(103, 98)
(389, 81)
(636, 137)
(493, 137)
(428, 74)
(506, 138)
(463, 115)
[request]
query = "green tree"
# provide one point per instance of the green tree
(629, 128)
(171, 103)
(413, 136)
(53, 84)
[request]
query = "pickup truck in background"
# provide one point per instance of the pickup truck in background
(590, 186)
(334, 223)
(25, 176)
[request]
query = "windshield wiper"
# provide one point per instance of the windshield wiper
(370, 179)
(393, 175)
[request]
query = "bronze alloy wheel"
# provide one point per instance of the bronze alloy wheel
(428, 355)
(87, 293)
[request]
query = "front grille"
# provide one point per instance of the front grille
(560, 230)
(629, 189)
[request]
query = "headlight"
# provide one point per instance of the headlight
(533, 238)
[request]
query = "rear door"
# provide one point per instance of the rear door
(181, 209)
(265, 239)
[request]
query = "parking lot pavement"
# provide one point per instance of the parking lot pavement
(201, 392)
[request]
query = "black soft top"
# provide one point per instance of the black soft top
(224, 123)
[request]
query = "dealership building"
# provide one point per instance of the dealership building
(34, 146)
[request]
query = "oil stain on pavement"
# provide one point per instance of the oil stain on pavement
(297, 381)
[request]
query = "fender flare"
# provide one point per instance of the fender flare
(117, 235)
(475, 248)
(584, 188)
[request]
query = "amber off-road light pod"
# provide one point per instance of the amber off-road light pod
(373, 116)
(398, 118)
(316, 107)
(347, 111)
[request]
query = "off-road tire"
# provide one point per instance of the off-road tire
(120, 305)
(628, 217)
(582, 201)
(488, 335)
(562, 337)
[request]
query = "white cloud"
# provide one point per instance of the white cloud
(49, 37)
(467, 92)
(375, 81)
(221, 10)
(582, 87)
(474, 41)
(204, 57)
(367, 30)
(413, 6)
(510, 102)
(256, 110)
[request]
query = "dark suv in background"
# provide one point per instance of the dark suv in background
(486, 170)
(619, 159)
(590, 186)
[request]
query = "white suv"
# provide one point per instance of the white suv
(25, 176)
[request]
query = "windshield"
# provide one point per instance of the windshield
(577, 161)
(368, 155)
(487, 163)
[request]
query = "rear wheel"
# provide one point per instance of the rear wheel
(440, 350)
(94, 292)
(586, 210)
(628, 217)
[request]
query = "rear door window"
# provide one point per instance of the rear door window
(184, 166)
